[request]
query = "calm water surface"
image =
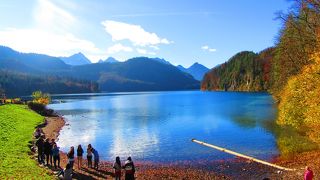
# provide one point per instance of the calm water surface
(158, 126)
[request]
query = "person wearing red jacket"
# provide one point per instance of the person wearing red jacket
(308, 173)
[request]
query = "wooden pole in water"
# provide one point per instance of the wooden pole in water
(241, 155)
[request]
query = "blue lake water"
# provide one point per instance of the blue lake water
(159, 126)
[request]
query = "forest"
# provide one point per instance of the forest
(17, 83)
(290, 70)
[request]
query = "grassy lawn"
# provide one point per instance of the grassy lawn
(17, 124)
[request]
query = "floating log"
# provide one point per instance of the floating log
(241, 155)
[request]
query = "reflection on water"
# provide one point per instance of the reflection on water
(158, 126)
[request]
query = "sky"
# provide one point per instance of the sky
(182, 32)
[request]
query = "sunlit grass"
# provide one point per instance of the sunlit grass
(17, 124)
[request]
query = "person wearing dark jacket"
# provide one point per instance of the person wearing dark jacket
(96, 158)
(47, 150)
(129, 169)
(89, 156)
(70, 156)
(40, 146)
(56, 155)
(79, 156)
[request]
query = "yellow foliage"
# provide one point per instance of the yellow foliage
(300, 100)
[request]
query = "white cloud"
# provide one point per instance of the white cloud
(50, 16)
(207, 48)
(144, 51)
(155, 47)
(118, 48)
(45, 42)
(134, 33)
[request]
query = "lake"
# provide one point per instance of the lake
(159, 126)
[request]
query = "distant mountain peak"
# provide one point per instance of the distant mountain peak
(197, 70)
(109, 60)
(76, 59)
(161, 60)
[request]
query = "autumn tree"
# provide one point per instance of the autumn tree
(41, 98)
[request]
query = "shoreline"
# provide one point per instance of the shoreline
(219, 169)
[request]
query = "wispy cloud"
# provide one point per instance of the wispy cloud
(144, 51)
(206, 13)
(118, 48)
(134, 33)
(207, 48)
(51, 17)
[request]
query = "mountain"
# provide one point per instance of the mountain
(161, 60)
(55, 76)
(22, 73)
(76, 59)
(136, 74)
(196, 70)
(29, 62)
(245, 71)
(181, 68)
(109, 60)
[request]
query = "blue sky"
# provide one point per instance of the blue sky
(180, 31)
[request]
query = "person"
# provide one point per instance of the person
(53, 142)
(79, 155)
(89, 156)
(129, 169)
(47, 150)
(66, 173)
(308, 173)
(117, 168)
(40, 146)
(38, 133)
(70, 156)
(96, 158)
(56, 155)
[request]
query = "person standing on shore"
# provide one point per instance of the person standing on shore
(53, 142)
(47, 151)
(117, 168)
(96, 158)
(129, 169)
(70, 156)
(89, 156)
(56, 155)
(308, 173)
(79, 156)
(40, 146)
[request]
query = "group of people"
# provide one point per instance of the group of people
(91, 154)
(48, 151)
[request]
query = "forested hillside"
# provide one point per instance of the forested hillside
(14, 83)
(290, 71)
(136, 74)
(245, 71)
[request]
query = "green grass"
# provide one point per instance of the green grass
(17, 124)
